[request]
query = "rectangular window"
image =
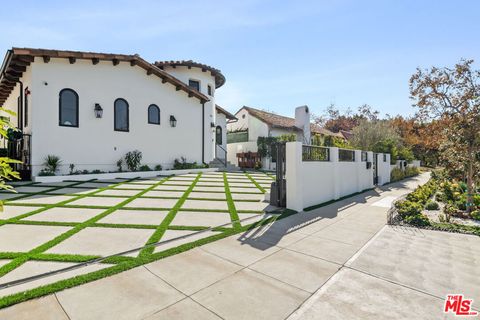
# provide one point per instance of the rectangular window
(384, 158)
(194, 84)
(209, 89)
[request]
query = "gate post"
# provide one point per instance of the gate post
(294, 176)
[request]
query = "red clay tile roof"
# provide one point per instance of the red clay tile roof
(282, 122)
(18, 59)
(225, 112)
(219, 77)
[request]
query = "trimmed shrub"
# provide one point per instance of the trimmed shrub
(432, 205)
(144, 168)
(475, 214)
(408, 208)
(132, 160)
(158, 167)
(417, 220)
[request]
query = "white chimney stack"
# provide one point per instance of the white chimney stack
(302, 121)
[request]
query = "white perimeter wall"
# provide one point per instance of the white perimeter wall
(95, 144)
(384, 168)
(313, 182)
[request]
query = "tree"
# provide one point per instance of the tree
(453, 94)
(334, 120)
(368, 135)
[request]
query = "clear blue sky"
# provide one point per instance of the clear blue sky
(275, 54)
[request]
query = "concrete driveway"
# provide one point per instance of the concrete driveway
(336, 262)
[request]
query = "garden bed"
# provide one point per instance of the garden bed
(438, 205)
(126, 175)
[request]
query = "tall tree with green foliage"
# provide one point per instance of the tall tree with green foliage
(454, 94)
(6, 171)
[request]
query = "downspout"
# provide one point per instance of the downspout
(203, 132)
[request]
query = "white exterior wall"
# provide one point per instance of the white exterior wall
(314, 182)
(205, 78)
(415, 163)
(95, 144)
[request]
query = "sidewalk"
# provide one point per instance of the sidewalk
(276, 271)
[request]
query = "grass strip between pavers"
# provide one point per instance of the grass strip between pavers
(126, 263)
(255, 183)
(15, 263)
(158, 234)
(231, 204)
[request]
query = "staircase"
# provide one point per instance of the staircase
(220, 163)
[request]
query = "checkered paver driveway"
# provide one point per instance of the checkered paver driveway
(50, 226)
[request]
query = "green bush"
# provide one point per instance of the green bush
(411, 171)
(475, 214)
(422, 193)
(439, 197)
(97, 171)
(46, 172)
(432, 205)
(408, 208)
(158, 167)
(183, 164)
(417, 220)
(51, 162)
(144, 168)
(132, 160)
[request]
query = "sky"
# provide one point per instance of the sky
(276, 55)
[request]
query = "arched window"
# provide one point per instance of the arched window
(121, 118)
(153, 114)
(68, 108)
(218, 135)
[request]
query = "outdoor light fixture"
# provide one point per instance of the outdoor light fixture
(212, 125)
(98, 111)
(173, 122)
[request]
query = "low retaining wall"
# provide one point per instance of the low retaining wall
(314, 182)
(127, 175)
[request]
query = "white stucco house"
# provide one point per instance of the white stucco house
(254, 123)
(90, 109)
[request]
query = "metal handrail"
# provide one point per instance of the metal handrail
(225, 151)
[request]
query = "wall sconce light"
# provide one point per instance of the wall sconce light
(212, 125)
(173, 122)
(98, 111)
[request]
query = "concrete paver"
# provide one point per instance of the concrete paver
(103, 241)
(193, 270)
(14, 211)
(242, 253)
(152, 203)
(18, 241)
(205, 219)
(46, 308)
(97, 201)
(43, 199)
(284, 265)
(122, 216)
(205, 205)
(172, 234)
(65, 214)
(251, 295)
(184, 310)
(354, 295)
(133, 294)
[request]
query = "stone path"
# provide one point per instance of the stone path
(336, 262)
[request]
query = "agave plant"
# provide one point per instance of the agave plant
(52, 162)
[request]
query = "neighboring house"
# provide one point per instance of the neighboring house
(92, 108)
(347, 135)
(253, 123)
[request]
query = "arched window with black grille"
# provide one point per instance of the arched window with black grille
(68, 108)
(121, 116)
(153, 114)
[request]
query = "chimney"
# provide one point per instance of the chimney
(302, 121)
